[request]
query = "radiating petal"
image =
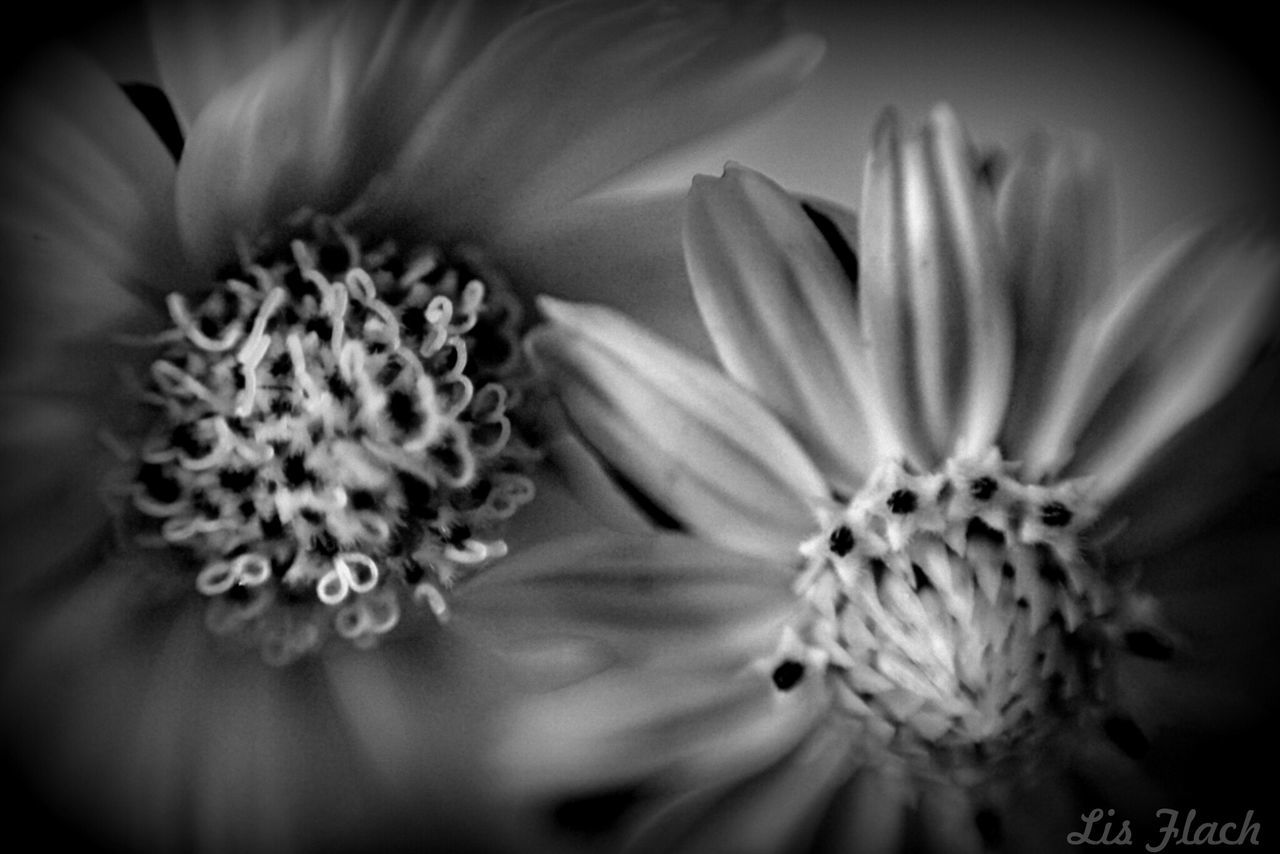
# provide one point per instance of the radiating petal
(622, 250)
(311, 125)
(781, 309)
(1057, 226)
(203, 47)
(666, 600)
(51, 500)
(700, 447)
(870, 813)
(1167, 348)
(624, 726)
(936, 312)
(579, 92)
(773, 811)
(82, 171)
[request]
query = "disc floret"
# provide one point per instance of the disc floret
(334, 436)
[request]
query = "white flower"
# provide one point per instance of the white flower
(273, 392)
(936, 504)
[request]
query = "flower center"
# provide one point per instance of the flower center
(950, 614)
(333, 437)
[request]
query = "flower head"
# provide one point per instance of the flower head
(272, 395)
(929, 498)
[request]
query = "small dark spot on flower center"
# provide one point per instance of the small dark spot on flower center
(983, 488)
(1055, 514)
(788, 674)
(902, 501)
(841, 541)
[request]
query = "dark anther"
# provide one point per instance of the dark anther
(324, 544)
(209, 326)
(272, 527)
(158, 484)
(403, 411)
(457, 535)
(787, 675)
(414, 322)
(295, 470)
(297, 284)
(990, 828)
(311, 515)
(238, 593)
(1124, 734)
(1148, 644)
(417, 493)
(1055, 514)
(982, 488)
(184, 438)
(841, 541)
(388, 372)
(878, 569)
(902, 502)
(203, 506)
(248, 510)
(237, 480)
(281, 365)
(362, 499)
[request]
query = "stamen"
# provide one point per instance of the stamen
(954, 618)
(319, 438)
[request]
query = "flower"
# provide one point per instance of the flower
(964, 522)
(272, 396)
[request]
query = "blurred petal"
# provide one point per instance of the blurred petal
(50, 500)
(1156, 357)
(659, 599)
(936, 314)
(82, 172)
(708, 453)
(577, 93)
(1057, 224)
(203, 47)
(869, 813)
(624, 726)
(776, 810)
(621, 250)
(315, 122)
(781, 309)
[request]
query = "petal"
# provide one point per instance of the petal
(870, 815)
(668, 600)
(1057, 221)
(701, 448)
(625, 726)
(578, 92)
(325, 113)
(621, 250)
(1159, 354)
(81, 172)
(204, 47)
(775, 810)
(780, 307)
(51, 499)
(936, 316)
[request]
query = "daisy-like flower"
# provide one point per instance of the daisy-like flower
(954, 549)
(268, 402)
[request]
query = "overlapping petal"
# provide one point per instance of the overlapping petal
(769, 288)
(936, 313)
(702, 448)
(577, 93)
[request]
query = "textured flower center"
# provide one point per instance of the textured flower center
(333, 437)
(949, 612)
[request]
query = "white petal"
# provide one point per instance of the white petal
(1057, 225)
(704, 450)
(82, 171)
(667, 599)
(775, 810)
(936, 312)
(780, 307)
(203, 47)
(578, 92)
(1167, 348)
